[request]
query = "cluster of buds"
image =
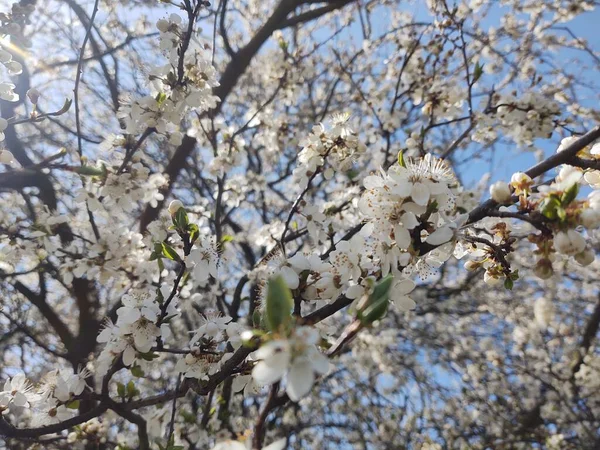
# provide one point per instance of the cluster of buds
(92, 431)
(556, 211)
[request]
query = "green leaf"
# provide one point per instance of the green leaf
(137, 371)
(121, 389)
(194, 232)
(73, 405)
(508, 283)
(169, 252)
(148, 356)
(132, 391)
(477, 72)
(569, 195)
(65, 107)
(227, 238)
(188, 417)
(91, 170)
(561, 213)
(181, 219)
(377, 303)
(401, 161)
(382, 288)
(279, 304)
(160, 97)
(549, 206)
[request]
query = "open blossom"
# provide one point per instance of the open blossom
(204, 259)
(62, 384)
(297, 359)
(569, 242)
(399, 295)
(17, 391)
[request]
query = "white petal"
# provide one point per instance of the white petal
(420, 193)
(20, 399)
(404, 287)
(320, 363)
(265, 374)
(402, 237)
(290, 276)
(409, 220)
(402, 188)
(299, 261)
(277, 445)
(440, 236)
(299, 380)
(128, 355)
(404, 303)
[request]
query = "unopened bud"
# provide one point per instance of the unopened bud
(34, 95)
(500, 192)
(543, 269)
(174, 206)
(586, 257)
(590, 218)
(472, 265)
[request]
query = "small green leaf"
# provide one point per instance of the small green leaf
(569, 195)
(73, 405)
(160, 97)
(376, 305)
(148, 356)
(188, 417)
(401, 161)
(561, 213)
(181, 220)
(508, 283)
(382, 288)
(194, 232)
(137, 371)
(121, 389)
(91, 171)
(227, 238)
(477, 72)
(132, 391)
(169, 252)
(279, 304)
(65, 107)
(549, 206)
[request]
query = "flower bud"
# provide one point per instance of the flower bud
(472, 265)
(163, 25)
(543, 269)
(491, 279)
(6, 157)
(569, 242)
(34, 95)
(521, 182)
(543, 311)
(500, 192)
(174, 206)
(586, 257)
(590, 218)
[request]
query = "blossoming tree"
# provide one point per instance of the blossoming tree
(272, 224)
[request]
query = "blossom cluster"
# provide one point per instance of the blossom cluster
(184, 83)
(52, 400)
(559, 213)
(136, 330)
(338, 146)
